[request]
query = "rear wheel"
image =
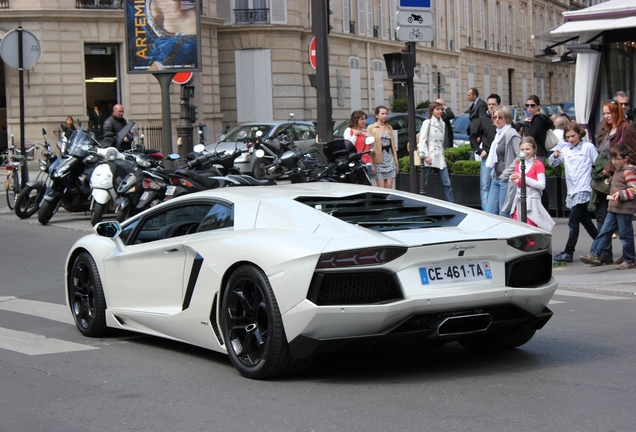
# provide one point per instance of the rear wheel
(28, 201)
(504, 341)
(253, 328)
(86, 297)
(98, 213)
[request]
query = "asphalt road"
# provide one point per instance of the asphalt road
(576, 374)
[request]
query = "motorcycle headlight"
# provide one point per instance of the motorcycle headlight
(44, 165)
(111, 154)
(142, 162)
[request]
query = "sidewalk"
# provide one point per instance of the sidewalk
(575, 275)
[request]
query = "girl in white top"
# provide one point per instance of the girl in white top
(431, 148)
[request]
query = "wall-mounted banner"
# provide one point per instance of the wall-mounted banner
(163, 36)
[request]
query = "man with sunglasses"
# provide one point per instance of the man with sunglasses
(622, 99)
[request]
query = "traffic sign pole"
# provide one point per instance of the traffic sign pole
(25, 169)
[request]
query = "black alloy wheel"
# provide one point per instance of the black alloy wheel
(86, 297)
(259, 169)
(252, 326)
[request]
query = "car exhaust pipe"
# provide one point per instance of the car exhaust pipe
(458, 325)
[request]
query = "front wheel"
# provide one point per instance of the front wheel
(98, 213)
(86, 297)
(259, 169)
(28, 201)
(12, 188)
(253, 328)
(46, 211)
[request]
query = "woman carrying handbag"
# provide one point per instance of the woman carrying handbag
(431, 149)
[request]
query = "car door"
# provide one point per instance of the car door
(148, 275)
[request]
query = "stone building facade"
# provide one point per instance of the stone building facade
(256, 62)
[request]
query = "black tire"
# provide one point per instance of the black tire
(46, 211)
(259, 169)
(127, 211)
(12, 189)
(97, 214)
(86, 297)
(511, 339)
(252, 326)
(28, 202)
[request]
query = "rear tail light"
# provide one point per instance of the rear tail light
(151, 184)
(10, 167)
(359, 257)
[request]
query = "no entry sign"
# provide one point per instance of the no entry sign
(312, 53)
(182, 77)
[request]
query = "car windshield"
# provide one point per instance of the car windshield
(240, 133)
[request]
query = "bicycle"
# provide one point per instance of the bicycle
(13, 181)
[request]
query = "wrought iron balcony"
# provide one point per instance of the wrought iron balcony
(98, 4)
(251, 16)
(4, 4)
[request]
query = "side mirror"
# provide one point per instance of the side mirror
(199, 148)
(306, 135)
(291, 116)
(173, 156)
(369, 140)
(43, 131)
(110, 230)
(221, 138)
(242, 134)
(259, 134)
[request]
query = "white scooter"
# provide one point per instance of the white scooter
(106, 176)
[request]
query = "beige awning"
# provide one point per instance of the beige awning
(572, 28)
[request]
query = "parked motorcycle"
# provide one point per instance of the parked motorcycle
(70, 176)
(344, 164)
(30, 197)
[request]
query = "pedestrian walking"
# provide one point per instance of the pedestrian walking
(385, 165)
(501, 160)
(477, 108)
(431, 149)
(578, 158)
(622, 206)
(536, 214)
(447, 116)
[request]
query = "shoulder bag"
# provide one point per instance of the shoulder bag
(551, 140)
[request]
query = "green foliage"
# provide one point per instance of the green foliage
(423, 105)
(399, 106)
(470, 167)
(558, 171)
(404, 162)
(454, 154)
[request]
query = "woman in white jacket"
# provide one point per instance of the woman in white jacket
(431, 149)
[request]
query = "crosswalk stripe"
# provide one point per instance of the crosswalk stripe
(34, 344)
(590, 295)
(51, 311)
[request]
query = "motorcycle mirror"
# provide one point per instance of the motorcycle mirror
(259, 134)
(291, 116)
(43, 131)
(222, 137)
(369, 140)
(259, 153)
(199, 148)
(79, 123)
(173, 157)
(242, 134)
(306, 135)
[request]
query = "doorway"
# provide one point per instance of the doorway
(102, 83)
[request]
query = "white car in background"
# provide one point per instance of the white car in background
(273, 275)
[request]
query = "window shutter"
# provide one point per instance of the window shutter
(224, 10)
(278, 11)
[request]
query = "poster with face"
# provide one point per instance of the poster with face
(162, 35)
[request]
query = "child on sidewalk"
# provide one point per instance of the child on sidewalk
(537, 215)
(578, 157)
(622, 206)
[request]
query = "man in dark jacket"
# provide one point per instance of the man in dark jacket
(447, 116)
(483, 136)
(477, 109)
(112, 126)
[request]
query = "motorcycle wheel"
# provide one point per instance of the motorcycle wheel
(28, 202)
(121, 214)
(46, 211)
(98, 213)
(259, 169)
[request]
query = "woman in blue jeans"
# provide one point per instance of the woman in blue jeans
(501, 159)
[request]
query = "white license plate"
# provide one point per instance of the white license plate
(170, 190)
(251, 150)
(144, 196)
(471, 271)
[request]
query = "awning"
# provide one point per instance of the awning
(571, 28)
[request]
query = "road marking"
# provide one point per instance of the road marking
(51, 311)
(590, 295)
(34, 344)
(551, 302)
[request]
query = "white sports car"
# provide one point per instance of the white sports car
(275, 274)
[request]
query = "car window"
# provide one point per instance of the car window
(249, 130)
(460, 125)
(398, 123)
(418, 124)
(219, 216)
(172, 222)
(338, 132)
